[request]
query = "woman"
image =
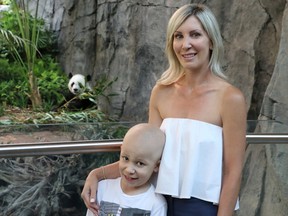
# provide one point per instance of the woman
(203, 117)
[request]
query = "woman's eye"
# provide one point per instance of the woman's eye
(195, 34)
(177, 36)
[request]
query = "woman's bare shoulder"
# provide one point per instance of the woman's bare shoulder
(232, 96)
(160, 89)
(233, 93)
(228, 90)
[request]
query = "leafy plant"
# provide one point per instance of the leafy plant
(5, 2)
(7, 40)
(2, 110)
(51, 81)
(13, 93)
(11, 71)
(33, 36)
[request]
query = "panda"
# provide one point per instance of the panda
(77, 85)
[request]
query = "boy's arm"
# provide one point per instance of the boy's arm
(160, 207)
(88, 194)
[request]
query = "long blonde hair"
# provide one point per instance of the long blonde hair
(210, 25)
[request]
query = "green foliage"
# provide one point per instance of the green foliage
(2, 110)
(51, 82)
(14, 93)
(9, 32)
(7, 41)
(28, 28)
(46, 40)
(18, 23)
(14, 87)
(14, 51)
(64, 117)
(5, 2)
(22, 38)
(11, 71)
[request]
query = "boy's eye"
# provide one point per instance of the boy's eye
(140, 163)
(124, 158)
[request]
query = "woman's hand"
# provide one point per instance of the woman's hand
(89, 192)
(110, 171)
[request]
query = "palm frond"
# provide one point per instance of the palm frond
(9, 37)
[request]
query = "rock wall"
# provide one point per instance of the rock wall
(126, 39)
(265, 186)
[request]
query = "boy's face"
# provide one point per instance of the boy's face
(137, 163)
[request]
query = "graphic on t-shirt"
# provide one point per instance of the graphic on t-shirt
(114, 209)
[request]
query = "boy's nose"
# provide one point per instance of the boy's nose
(130, 169)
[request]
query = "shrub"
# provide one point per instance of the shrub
(14, 93)
(52, 82)
(14, 86)
(11, 71)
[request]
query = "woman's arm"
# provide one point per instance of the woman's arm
(88, 194)
(233, 114)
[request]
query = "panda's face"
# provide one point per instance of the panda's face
(77, 84)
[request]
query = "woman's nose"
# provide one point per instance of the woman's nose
(186, 43)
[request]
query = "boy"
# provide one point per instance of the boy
(132, 193)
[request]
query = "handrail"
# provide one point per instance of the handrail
(63, 147)
(267, 138)
(92, 146)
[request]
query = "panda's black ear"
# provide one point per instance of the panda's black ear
(88, 78)
(70, 75)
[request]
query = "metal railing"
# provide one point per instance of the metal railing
(63, 147)
(92, 146)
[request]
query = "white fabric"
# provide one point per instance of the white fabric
(192, 161)
(110, 192)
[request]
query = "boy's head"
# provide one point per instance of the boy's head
(140, 155)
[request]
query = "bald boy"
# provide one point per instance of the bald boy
(132, 193)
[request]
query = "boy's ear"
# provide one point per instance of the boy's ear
(156, 168)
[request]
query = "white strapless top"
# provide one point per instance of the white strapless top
(192, 165)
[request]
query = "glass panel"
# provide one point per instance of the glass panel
(266, 126)
(62, 132)
(52, 184)
(47, 185)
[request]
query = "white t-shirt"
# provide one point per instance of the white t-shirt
(114, 202)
